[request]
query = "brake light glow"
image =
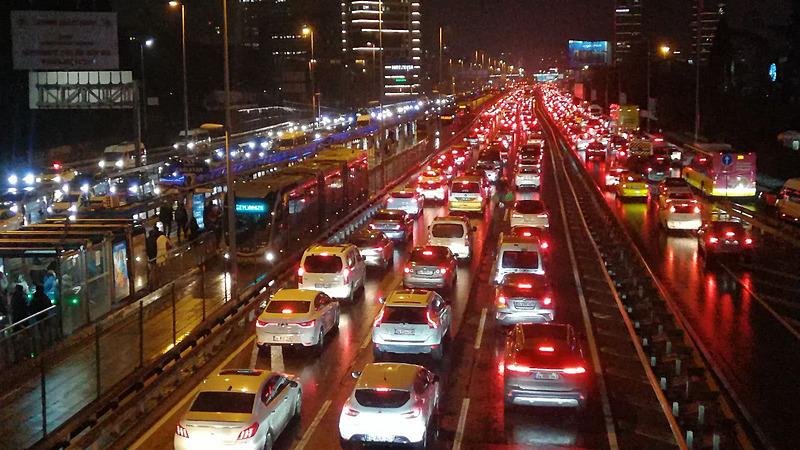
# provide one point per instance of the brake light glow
(672, 209)
(547, 301)
(407, 269)
(501, 301)
(427, 253)
(518, 368)
(261, 324)
(574, 370)
(730, 234)
(309, 324)
(697, 210)
(526, 234)
(712, 240)
(546, 348)
(524, 285)
(432, 323)
(248, 432)
(181, 431)
(286, 311)
(748, 241)
(441, 270)
(544, 245)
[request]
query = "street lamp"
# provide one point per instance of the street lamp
(178, 4)
(308, 32)
(664, 51)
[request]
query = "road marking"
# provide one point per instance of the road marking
(158, 425)
(763, 303)
(367, 339)
(479, 337)
(276, 358)
(313, 427)
(462, 422)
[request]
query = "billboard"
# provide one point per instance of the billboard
(63, 40)
(588, 53)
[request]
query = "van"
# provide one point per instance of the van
(121, 156)
(336, 270)
(788, 202)
(466, 194)
(194, 139)
(453, 232)
(517, 255)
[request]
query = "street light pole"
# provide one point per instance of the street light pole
(175, 4)
(142, 44)
(441, 51)
(648, 86)
(232, 249)
(308, 31)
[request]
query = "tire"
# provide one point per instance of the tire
(269, 441)
(345, 444)
(438, 352)
(320, 346)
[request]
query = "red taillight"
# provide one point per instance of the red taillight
(546, 348)
(524, 285)
(349, 411)
(442, 270)
(286, 311)
(432, 323)
(697, 210)
(501, 301)
(712, 240)
(181, 431)
(407, 269)
(544, 245)
(730, 234)
(248, 432)
(574, 370)
(672, 209)
(518, 368)
(547, 301)
(748, 241)
(427, 252)
(378, 319)
(300, 273)
(309, 324)
(260, 323)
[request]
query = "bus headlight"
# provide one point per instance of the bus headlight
(101, 163)
(270, 257)
(119, 164)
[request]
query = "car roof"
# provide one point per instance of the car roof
(409, 297)
(450, 219)
(333, 249)
(520, 242)
(241, 380)
(388, 375)
(295, 294)
(391, 212)
(473, 178)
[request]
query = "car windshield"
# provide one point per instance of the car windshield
(447, 230)
(681, 196)
(529, 207)
(365, 240)
(382, 398)
(404, 314)
(288, 306)
(224, 402)
(528, 169)
(429, 255)
(468, 187)
(520, 259)
(387, 216)
(322, 264)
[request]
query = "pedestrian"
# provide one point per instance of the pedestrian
(194, 229)
(39, 302)
(19, 305)
(181, 220)
(50, 284)
(163, 246)
(151, 246)
(165, 214)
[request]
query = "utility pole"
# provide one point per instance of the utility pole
(698, 31)
(232, 249)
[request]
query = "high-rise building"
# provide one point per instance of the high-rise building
(708, 13)
(627, 29)
(381, 41)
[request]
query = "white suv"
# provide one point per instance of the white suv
(453, 232)
(412, 321)
(337, 270)
(391, 403)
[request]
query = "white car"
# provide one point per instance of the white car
(241, 409)
(453, 232)
(337, 270)
(297, 317)
(680, 211)
(527, 176)
(407, 200)
(412, 321)
(432, 185)
(391, 403)
(517, 255)
(529, 212)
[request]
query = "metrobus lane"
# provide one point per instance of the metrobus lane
(743, 313)
(325, 376)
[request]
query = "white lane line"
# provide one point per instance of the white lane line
(763, 303)
(313, 427)
(276, 358)
(462, 422)
(367, 339)
(158, 425)
(479, 337)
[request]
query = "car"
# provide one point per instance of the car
(240, 409)
(460, 155)
(537, 234)
(443, 165)
(632, 185)
(395, 224)
(391, 403)
(527, 177)
(375, 247)
(544, 365)
(58, 174)
(337, 270)
(517, 255)
(595, 150)
(10, 218)
(529, 154)
(658, 168)
(430, 267)
(407, 200)
(673, 185)
(529, 212)
(466, 194)
(412, 321)
(453, 232)
(724, 237)
(297, 317)
(490, 164)
(524, 298)
(432, 185)
(679, 211)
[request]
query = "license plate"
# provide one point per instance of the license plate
(525, 304)
(280, 338)
(425, 271)
(404, 332)
(545, 375)
(322, 285)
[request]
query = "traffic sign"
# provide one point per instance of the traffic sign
(727, 159)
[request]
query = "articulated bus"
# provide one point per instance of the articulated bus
(291, 139)
(718, 170)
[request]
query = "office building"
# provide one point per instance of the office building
(627, 29)
(708, 13)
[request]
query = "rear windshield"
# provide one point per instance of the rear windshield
(288, 306)
(365, 241)
(387, 216)
(410, 315)
(520, 259)
(403, 194)
(224, 402)
(727, 226)
(470, 187)
(529, 207)
(681, 196)
(429, 254)
(373, 398)
(528, 169)
(322, 264)
(447, 230)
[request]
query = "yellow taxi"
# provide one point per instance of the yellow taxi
(632, 185)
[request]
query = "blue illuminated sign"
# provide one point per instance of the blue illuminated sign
(588, 53)
(773, 72)
(727, 159)
(251, 207)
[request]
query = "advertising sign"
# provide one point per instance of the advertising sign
(588, 53)
(64, 40)
(119, 253)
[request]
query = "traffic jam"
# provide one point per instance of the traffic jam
(455, 266)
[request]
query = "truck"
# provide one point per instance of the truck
(628, 119)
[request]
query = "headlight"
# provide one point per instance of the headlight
(57, 178)
(133, 189)
(29, 179)
(190, 145)
(112, 189)
(84, 188)
(119, 164)
(101, 163)
(12, 180)
(270, 257)
(50, 210)
(251, 144)
(73, 217)
(264, 145)
(175, 146)
(14, 209)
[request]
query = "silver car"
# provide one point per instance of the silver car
(544, 366)
(431, 267)
(411, 322)
(524, 298)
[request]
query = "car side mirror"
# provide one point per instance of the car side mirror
(355, 374)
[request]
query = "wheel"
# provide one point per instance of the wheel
(269, 441)
(423, 444)
(345, 444)
(320, 343)
(377, 355)
(438, 352)
(298, 407)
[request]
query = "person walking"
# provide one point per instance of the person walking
(19, 305)
(163, 246)
(181, 220)
(50, 284)
(165, 214)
